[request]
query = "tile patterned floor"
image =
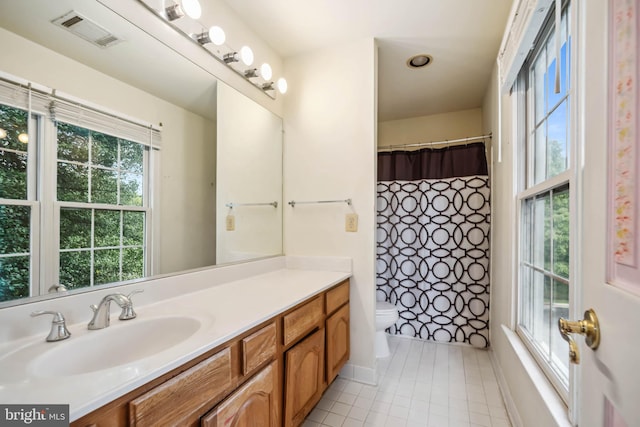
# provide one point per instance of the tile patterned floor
(421, 384)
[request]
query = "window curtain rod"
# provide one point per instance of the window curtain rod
(446, 142)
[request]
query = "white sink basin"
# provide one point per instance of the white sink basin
(122, 343)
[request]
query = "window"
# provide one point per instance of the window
(74, 185)
(545, 170)
(15, 207)
(100, 190)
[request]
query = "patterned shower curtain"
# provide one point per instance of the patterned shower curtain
(433, 220)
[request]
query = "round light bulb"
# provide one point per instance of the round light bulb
(192, 8)
(3, 133)
(24, 138)
(217, 36)
(282, 85)
(246, 54)
(265, 71)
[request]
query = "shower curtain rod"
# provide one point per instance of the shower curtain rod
(426, 144)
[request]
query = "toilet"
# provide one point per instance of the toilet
(386, 315)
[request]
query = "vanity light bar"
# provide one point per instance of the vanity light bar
(251, 73)
(191, 9)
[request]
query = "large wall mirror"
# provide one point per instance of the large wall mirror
(216, 179)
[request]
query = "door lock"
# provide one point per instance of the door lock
(589, 327)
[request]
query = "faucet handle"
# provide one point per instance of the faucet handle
(59, 329)
(127, 309)
(57, 288)
(137, 291)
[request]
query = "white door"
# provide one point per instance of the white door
(609, 377)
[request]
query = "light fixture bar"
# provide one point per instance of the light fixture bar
(251, 73)
(174, 12)
(230, 57)
(216, 36)
(213, 35)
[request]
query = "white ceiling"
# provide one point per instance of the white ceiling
(463, 36)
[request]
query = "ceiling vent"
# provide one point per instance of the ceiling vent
(87, 29)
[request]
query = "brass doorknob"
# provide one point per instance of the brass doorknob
(589, 327)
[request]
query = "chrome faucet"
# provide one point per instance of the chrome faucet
(101, 312)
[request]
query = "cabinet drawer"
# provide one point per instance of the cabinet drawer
(337, 296)
(258, 347)
(302, 320)
(180, 400)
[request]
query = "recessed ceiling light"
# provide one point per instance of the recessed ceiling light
(419, 61)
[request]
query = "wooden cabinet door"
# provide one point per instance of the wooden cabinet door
(255, 404)
(337, 330)
(304, 378)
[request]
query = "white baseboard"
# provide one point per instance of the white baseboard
(360, 374)
(510, 406)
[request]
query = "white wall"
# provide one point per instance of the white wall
(250, 144)
(436, 127)
(330, 153)
(187, 194)
(530, 407)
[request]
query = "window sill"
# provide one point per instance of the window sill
(556, 407)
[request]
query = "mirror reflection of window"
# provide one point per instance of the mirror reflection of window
(15, 209)
(74, 195)
(106, 244)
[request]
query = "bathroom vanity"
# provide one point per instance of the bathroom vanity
(276, 371)
(267, 349)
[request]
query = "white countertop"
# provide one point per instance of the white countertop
(224, 310)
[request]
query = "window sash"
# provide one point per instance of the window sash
(93, 168)
(93, 247)
(530, 297)
(33, 253)
(527, 78)
(541, 288)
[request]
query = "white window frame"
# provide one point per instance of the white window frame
(524, 172)
(31, 200)
(59, 205)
